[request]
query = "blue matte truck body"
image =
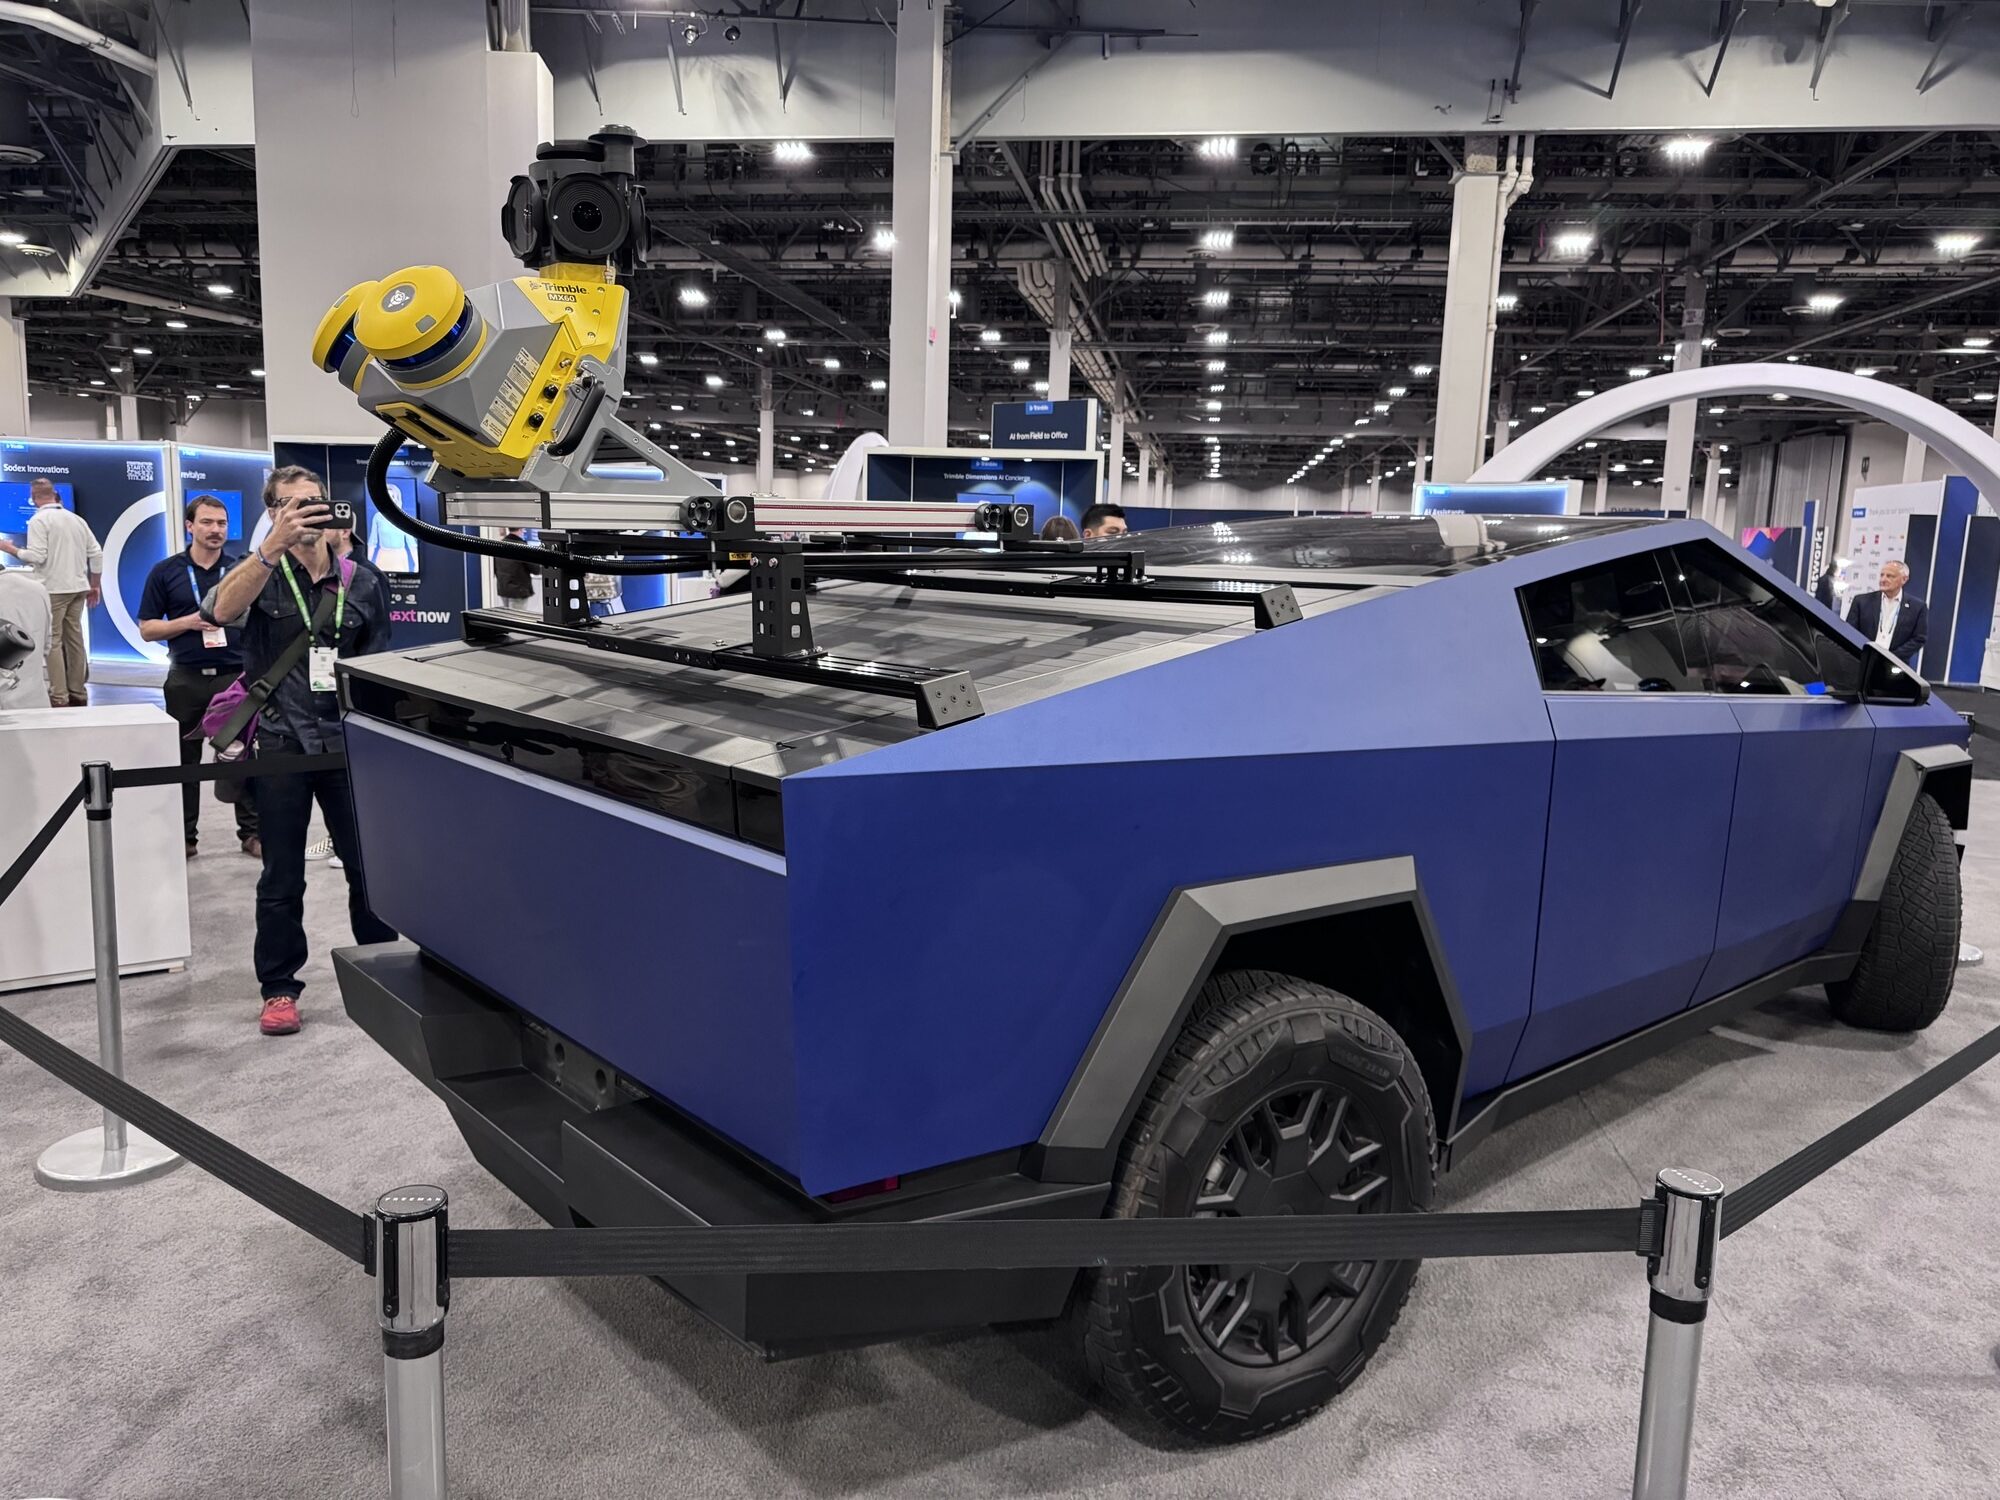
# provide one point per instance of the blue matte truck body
(915, 980)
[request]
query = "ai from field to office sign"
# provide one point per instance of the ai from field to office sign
(1054, 426)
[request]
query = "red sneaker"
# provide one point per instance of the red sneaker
(281, 1016)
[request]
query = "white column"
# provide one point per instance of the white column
(13, 373)
(1503, 417)
(920, 265)
(1711, 488)
(1060, 335)
(1421, 471)
(1145, 475)
(1167, 494)
(1600, 503)
(110, 421)
(351, 104)
(1996, 415)
(1375, 484)
(1677, 473)
(1472, 281)
(128, 418)
(1114, 463)
(767, 434)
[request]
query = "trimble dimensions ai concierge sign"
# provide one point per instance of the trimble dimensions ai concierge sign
(1065, 426)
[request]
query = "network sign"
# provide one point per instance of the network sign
(1060, 426)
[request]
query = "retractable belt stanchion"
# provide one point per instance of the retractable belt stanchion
(1682, 1275)
(112, 1154)
(415, 1287)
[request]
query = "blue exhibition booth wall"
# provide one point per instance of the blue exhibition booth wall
(131, 494)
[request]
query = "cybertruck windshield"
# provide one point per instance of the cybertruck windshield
(1400, 545)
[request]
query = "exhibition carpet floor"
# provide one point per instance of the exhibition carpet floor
(173, 1342)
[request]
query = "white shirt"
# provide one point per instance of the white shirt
(61, 550)
(25, 603)
(1886, 631)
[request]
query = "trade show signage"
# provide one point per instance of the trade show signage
(1052, 485)
(235, 476)
(1063, 426)
(121, 490)
(1556, 497)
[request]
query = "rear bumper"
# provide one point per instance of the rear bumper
(581, 1146)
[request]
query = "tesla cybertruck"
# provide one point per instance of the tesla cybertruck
(1106, 900)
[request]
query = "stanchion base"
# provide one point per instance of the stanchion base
(1969, 956)
(80, 1164)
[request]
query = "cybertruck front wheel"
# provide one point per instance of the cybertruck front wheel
(1910, 956)
(1279, 1097)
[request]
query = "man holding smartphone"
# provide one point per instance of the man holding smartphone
(291, 583)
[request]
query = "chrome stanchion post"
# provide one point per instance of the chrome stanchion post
(415, 1287)
(1682, 1275)
(112, 1154)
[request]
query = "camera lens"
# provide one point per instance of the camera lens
(587, 218)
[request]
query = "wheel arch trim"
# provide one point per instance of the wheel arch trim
(1194, 926)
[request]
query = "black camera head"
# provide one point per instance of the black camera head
(580, 201)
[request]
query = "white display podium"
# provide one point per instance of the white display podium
(45, 933)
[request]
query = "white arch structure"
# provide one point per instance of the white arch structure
(1973, 453)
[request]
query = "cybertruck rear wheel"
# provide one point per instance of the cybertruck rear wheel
(1279, 1097)
(1910, 956)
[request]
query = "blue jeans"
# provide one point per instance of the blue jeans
(284, 809)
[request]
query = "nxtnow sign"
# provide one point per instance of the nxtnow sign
(1057, 426)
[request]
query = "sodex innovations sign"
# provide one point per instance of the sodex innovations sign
(1065, 426)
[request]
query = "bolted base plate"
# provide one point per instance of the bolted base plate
(80, 1164)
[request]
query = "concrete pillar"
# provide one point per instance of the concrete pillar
(767, 425)
(1375, 484)
(1114, 463)
(1167, 494)
(1420, 472)
(1503, 416)
(1711, 488)
(413, 132)
(920, 265)
(1600, 502)
(128, 418)
(1060, 335)
(1677, 473)
(1145, 493)
(1472, 281)
(110, 421)
(13, 373)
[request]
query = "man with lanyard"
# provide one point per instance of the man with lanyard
(203, 659)
(283, 587)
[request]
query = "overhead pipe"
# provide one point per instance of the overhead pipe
(170, 304)
(55, 24)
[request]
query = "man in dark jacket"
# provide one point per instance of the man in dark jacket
(1893, 618)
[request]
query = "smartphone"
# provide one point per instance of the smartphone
(340, 517)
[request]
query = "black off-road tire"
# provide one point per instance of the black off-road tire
(1255, 1085)
(1910, 956)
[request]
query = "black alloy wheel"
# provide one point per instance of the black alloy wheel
(1299, 1151)
(1279, 1097)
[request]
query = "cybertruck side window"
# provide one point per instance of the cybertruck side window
(1751, 639)
(1613, 628)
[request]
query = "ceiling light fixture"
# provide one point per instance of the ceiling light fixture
(1398, 392)
(885, 237)
(1217, 366)
(1507, 302)
(1217, 148)
(257, 372)
(675, 406)
(649, 359)
(1685, 149)
(177, 324)
(1021, 367)
(1586, 391)
(1218, 239)
(878, 385)
(989, 335)
(1977, 341)
(1866, 370)
(140, 350)
(1212, 405)
(1638, 372)
(692, 296)
(221, 289)
(1573, 241)
(1420, 370)
(713, 382)
(1952, 242)
(11, 237)
(774, 335)
(829, 364)
(1824, 302)
(792, 152)
(1218, 336)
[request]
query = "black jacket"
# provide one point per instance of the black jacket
(1912, 622)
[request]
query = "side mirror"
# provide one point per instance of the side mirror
(1884, 679)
